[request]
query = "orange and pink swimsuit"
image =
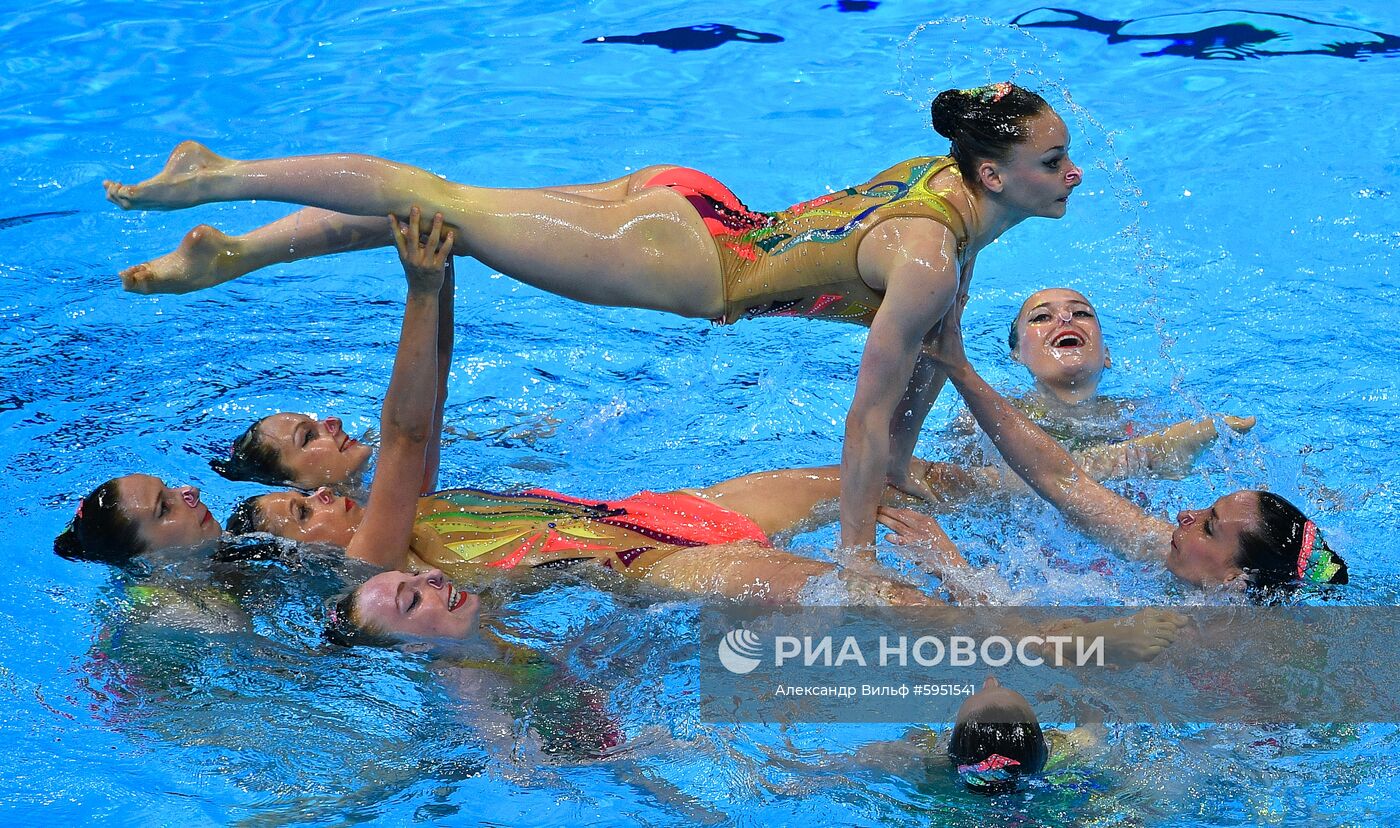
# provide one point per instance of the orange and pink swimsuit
(540, 528)
(802, 261)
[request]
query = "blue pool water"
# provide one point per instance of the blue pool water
(1239, 231)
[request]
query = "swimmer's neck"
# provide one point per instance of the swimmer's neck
(990, 218)
(483, 649)
(1066, 396)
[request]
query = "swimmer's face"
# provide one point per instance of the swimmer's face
(1038, 177)
(1205, 547)
(315, 452)
(992, 696)
(166, 517)
(319, 517)
(1060, 342)
(417, 607)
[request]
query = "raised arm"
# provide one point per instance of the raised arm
(446, 335)
(408, 414)
(915, 260)
(1046, 466)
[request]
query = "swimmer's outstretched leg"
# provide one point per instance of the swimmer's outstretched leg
(648, 250)
(778, 501)
(208, 257)
(174, 187)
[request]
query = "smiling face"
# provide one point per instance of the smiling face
(314, 452)
(319, 517)
(1038, 176)
(1205, 547)
(416, 607)
(1059, 340)
(166, 517)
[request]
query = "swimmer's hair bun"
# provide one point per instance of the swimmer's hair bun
(950, 110)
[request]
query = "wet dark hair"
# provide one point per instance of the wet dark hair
(247, 517)
(1269, 549)
(100, 531)
(253, 460)
(344, 628)
(1005, 731)
(257, 546)
(984, 123)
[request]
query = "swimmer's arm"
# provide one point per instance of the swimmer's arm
(927, 381)
(1045, 465)
(907, 756)
(915, 260)
(406, 422)
(1168, 453)
(445, 337)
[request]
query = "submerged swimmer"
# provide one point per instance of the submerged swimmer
(1252, 539)
(1057, 337)
(995, 743)
(892, 253)
(297, 450)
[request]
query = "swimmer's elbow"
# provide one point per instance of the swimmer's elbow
(404, 434)
(864, 423)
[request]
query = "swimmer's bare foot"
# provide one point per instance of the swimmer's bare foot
(174, 187)
(205, 257)
(1239, 425)
(1140, 637)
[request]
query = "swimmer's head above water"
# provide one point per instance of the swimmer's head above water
(996, 739)
(134, 515)
(1010, 146)
(400, 607)
(296, 450)
(319, 517)
(1255, 539)
(1056, 335)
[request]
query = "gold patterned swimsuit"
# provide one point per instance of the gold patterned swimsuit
(802, 261)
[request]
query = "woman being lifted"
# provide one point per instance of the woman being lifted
(892, 253)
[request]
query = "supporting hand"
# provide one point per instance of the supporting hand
(921, 531)
(424, 257)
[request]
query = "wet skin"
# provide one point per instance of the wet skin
(1205, 545)
(1060, 342)
(422, 606)
(319, 517)
(316, 452)
(166, 517)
